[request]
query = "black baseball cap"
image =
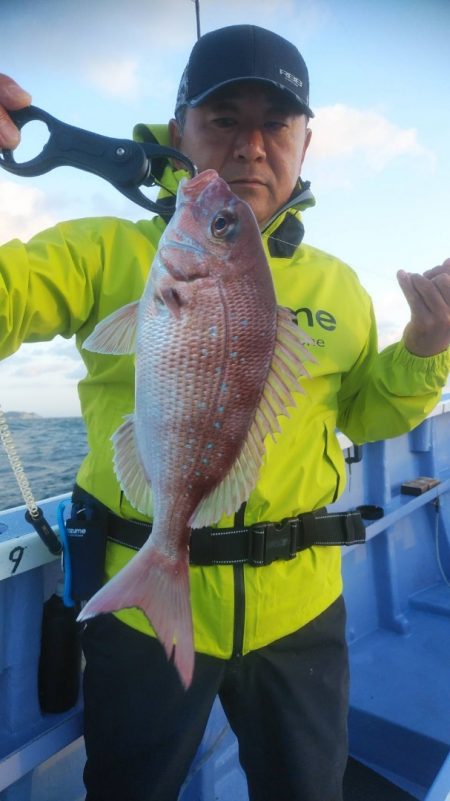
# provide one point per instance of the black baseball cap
(243, 53)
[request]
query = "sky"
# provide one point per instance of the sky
(378, 163)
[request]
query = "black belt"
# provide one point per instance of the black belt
(259, 544)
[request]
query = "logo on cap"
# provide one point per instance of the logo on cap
(292, 78)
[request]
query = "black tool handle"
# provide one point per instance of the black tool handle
(121, 161)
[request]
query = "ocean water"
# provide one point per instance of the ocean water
(51, 450)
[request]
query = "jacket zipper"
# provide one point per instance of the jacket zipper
(239, 594)
(239, 611)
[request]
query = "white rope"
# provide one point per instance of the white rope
(16, 464)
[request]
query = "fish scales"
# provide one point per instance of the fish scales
(196, 402)
(216, 363)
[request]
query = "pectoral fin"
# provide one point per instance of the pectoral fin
(116, 334)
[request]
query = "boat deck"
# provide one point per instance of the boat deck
(400, 697)
(363, 784)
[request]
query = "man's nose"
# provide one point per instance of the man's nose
(249, 145)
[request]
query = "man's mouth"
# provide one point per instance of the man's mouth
(246, 181)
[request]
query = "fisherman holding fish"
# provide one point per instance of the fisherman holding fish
(221, 377)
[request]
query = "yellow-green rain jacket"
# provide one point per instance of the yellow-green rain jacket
(68, 278)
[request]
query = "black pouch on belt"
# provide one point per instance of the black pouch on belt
(86, 533)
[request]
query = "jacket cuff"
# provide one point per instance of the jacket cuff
(429, 367)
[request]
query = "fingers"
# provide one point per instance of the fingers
(416, 292)
(428, 332)
(9, 134)
(427, 294)
(439, 270)
(12, 97)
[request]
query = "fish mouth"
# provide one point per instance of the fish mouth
(194, 186)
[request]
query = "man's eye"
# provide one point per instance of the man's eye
(223, 122)
(275, 125)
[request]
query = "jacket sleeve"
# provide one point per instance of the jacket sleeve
(49, 285)
(388, 393)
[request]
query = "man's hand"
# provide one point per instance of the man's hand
(428, 296)
(12, 97)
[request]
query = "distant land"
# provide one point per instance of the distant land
(12, 416)
(22, 415)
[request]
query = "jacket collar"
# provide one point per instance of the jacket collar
(285, 231)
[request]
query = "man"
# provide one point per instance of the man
(269, 639)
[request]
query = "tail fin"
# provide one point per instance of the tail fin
(160, 587)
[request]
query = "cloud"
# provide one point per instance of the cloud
(23, 211)
(345, 138)
(117, 78)
(53, 361)
(42, 378)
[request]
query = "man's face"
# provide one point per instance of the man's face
(253, 137)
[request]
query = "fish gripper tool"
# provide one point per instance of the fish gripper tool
(126, 164)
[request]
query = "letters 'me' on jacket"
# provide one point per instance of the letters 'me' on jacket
(68, 278)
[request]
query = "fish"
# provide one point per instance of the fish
(217, 361)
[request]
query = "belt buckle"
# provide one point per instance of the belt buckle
(272, 541)
(257, 544)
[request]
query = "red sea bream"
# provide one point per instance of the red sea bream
(216, 362)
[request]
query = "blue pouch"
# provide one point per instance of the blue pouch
(84, 537)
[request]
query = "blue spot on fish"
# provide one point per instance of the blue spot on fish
(217, 424)
(221, 409)
(233, 354)
(213, 330)
(210, 445)
(244, 321)
(224, 387)
(205, 460)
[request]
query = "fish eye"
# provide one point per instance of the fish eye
(223, 224)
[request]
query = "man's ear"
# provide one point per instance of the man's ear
(308, 135)
(174, 134)
(175, 142)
